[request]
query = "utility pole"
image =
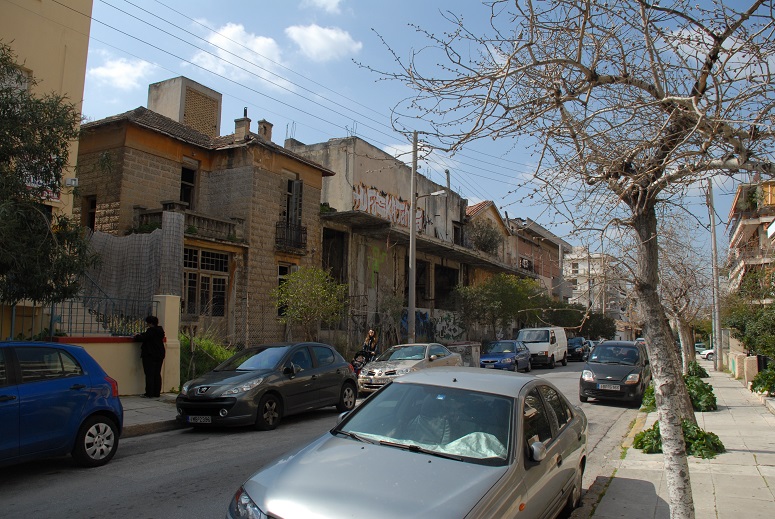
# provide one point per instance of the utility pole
(410, 317)
(717, 355)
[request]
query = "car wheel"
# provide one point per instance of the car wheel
(552, 362)
(575, 494)
(564, 361)
(347, 398)
(709, 356)
(97, 441)
(270, 411)
(529, 367)
(583, 398)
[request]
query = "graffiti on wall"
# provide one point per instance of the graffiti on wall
(443, 326)
(385, 205)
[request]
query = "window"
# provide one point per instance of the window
(90, 212)
(301, 359)
(283, 269)
(293, 202)
(187, 186)
(574, 269)
(323, 355)
(558, 405)
(205, 282)
(534, 419)
(438, 350)
(46, 363)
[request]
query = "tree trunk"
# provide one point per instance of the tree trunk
(669, 389)
(687, 345)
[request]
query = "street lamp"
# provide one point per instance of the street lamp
(410, 317)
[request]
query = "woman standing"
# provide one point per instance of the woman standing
(370, 344)
(152, 354)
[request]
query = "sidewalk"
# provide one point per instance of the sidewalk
(148, 415)
(737, 483)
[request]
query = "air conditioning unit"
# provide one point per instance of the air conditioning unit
(71, 182)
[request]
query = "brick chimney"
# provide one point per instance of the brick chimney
(265, 130)
(242, 127)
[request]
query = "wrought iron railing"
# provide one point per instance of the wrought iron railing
(290, 237)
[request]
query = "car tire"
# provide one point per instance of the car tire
(583, 398)
(96, 442)
(270, 412)
(574, 498)
(709, 356)
(529, 367)
(347, 397)
(552, 362)
(564, 361)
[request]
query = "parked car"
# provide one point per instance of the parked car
(577, 348)
(616, 370)
(708, 354)
(699, 347)
(55, 399)
(448, 443)
(547, 346)
(260, 385)
(402, 359)
(507, 355)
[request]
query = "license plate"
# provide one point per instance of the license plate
(489, 365)
(613, 387)
(200, 419)
(380, 381)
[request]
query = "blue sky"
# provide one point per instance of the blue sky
(295, 64)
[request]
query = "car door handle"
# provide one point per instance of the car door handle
(7, 398)
(78, 386)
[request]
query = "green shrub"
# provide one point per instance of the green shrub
(649, 403)
(764, 381)
(701, 393)
(206, 354)
(695, 370)
(699, 443)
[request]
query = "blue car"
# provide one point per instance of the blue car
(507, 355)
(55, 399)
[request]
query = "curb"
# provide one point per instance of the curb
(131, 431)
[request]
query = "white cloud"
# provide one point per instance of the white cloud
(330, 6)
(122, 73)
(240, 55)
(323, 43)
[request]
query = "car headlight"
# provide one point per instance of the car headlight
(242, 507)
(587, 376)
(403, 371)
(242, 388)
(184, 388)
(632, 378)
(508, 360)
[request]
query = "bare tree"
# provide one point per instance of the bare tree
(625, 104)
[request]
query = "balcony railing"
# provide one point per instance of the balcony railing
(202, 226)
(290, 237)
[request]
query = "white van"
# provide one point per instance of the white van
(547, 345)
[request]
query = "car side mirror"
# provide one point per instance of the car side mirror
(537, 451)
(342, 416)
(585, 356)
(291, 369)
(433, 357)
(552, 340)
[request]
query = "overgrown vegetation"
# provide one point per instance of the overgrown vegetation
(484, 236)
(701, 393)
(699, 443)
(200, 354)
(649, 403)
(695, 370)
(764, 381)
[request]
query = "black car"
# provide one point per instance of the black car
(577, 348)
(616, 370)
(260, 385)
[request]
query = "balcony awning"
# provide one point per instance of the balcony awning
(366, 224)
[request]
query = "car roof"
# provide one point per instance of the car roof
(38, 344)
(620, 343)
(473, 379)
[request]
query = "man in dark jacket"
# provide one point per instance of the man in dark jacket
(152, 353)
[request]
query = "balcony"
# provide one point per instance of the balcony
(196, 224)
(291, 238)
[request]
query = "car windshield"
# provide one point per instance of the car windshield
(533, 336)
(470, 426)
(254, 359)
(613, 354)
(575, 341)
(501, 347)
(404, 352)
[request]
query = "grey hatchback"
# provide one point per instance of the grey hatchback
(260, 385)
(445, 443)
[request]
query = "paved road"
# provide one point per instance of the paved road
(191, 474)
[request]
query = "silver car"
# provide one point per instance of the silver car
(402, 359)
(439, 443)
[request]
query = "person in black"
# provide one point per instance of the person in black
(370, 344)
(152, 354)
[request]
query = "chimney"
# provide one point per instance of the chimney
(242, 127)
(265, 130)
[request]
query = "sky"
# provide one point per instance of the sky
(302, 66)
